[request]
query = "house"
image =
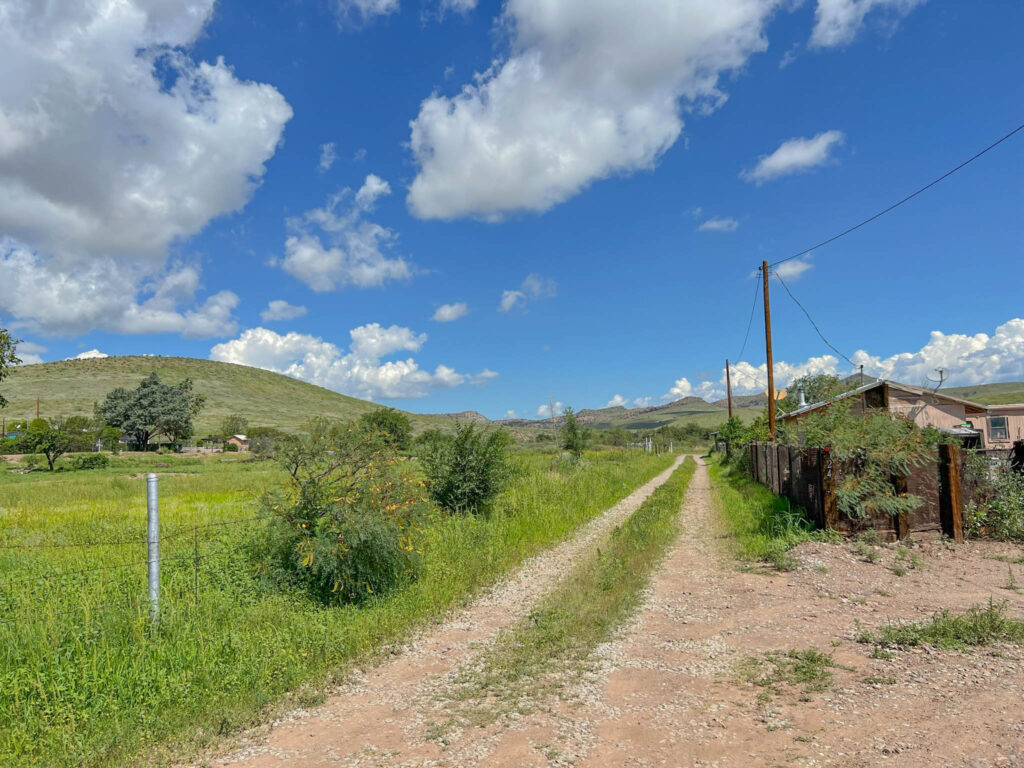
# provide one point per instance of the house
(241, 441)
(924, 407)
(1001, 426)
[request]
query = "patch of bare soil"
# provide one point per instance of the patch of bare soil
(384, 715)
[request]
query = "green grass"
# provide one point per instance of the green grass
(71, 387)
(977, 626)
(810, 670)
(551, 647)
(84, 680)
(991, 394)
(763, 527)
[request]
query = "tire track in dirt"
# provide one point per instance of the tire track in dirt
(381, 717)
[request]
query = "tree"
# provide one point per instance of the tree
(817, 388)
(234, 424)
(49, 440)
(467, 470)
(8, 346)
(392, 425)
(574, 436)
(153, 408)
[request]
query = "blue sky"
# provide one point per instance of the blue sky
(595, 181)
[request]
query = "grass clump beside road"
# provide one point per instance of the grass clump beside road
(764, 527)
(977, 626)
(810, 670)
(85, 681)
(551, 647)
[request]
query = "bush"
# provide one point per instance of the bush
(998, 508)
(230, 448)
(574, 437)
(90, 461)
(393, 427)
(467, 470)
(344, 528)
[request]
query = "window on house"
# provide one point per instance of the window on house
(997, 428)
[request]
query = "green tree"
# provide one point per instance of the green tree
(467, 470)
(817, 388)
(8, 346)
(234, 424)
(153, 408)
(574, 436)
(50, 440)
(392, 425)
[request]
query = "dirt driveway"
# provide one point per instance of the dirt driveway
(674, 688)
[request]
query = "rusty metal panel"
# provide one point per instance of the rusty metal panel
(925, 481)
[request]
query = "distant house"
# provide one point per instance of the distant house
(1002, 425)
(241, 441)
(924, 407)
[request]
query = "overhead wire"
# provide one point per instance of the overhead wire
(811, 320)
(909, 197)
(750, 323)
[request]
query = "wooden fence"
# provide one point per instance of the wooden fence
(808, 478)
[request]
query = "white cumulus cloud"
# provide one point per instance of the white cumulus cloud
(327, 157)
(585, 91)
(458, 6)
(355, 12)
(618, 401)
(447, 313)
(354, 249)
(360, 372)
(279, 309)
(723, 224)
(30, 353)
(544, 411)
(115, 144)
(533, 287)
(794, 156)
(792, 269)
(92, 354)
(836, 22)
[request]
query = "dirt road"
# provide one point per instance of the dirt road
(669, 690)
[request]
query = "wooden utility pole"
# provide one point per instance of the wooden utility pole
(765, 272)
(37, 406)
(728, 386)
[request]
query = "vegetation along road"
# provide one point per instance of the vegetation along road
(717, 662)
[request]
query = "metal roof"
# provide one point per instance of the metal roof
(968, 404)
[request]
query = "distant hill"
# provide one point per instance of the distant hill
(990, 394)
(267, 399)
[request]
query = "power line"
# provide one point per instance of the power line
(750, 323)
(816, 328)
(909, 197)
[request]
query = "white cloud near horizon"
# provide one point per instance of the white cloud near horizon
(532, 288)
(30, 353)
(581, 94)
(354, 249)
(327, 157)
(92, 354)
(279, 309)
(448, 313)
(796, 155)
(837, 22)
(969, 359)
(719, 224)
(360, 372)
(104, 166)
(616, 402)
(544, 411)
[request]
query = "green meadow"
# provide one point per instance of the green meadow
(85, 679)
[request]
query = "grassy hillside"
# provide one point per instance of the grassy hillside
(990, 394)
(71, 387)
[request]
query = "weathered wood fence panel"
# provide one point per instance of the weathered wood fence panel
(808, 477)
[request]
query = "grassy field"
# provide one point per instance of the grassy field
(71, 387)
(84, 679)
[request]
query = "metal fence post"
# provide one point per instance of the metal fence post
(153, 540)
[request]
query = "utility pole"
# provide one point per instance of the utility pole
(765, 272)
(728, 386)
(37, 406)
